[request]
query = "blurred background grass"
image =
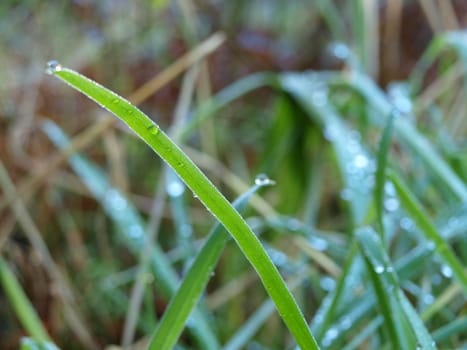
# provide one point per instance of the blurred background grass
(123, 45)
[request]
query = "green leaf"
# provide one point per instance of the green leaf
(195, 281)
(131, 228)
(33, 344)
(22, 306)
(415, 210)
(207, 193)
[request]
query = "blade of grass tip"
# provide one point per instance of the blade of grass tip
(415, 210)
(24, 310)
(207, 193)
(195, 281)
(29, 187)
(382, 272)
(33, 344)
(380, 176)
(385, 287)
(130, 226)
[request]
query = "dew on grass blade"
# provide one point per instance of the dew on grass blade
(339, 50)
(264, 180)
(153, 129)
(379, 269)
(53, 67)
(446, 271)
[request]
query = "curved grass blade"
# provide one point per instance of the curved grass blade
(21, 304)
(195, 281)
(415, 210)
(380, 177)
(207, 193)
(356, 164)
(131, 227)
(387, 289)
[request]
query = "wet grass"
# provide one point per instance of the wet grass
(355, 238)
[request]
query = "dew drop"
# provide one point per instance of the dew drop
(175, 188)
(53, 67)
(446, 271)
(153, 129)
(115, 101)
(430, 245)
(264, 180)
(391, 204)
(379, 269)
(340, 50)
(327, 283)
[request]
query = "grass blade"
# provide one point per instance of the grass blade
(189, 292)
(207, 193)
(32, 344)
(380, 176)
(404, 130)
(23, 308)
(389, 293)
(415, 210)
(131, 227)
(383, 283)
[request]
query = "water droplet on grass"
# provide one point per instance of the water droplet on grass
(446, 271)
(327, 283)
(264, 180)
(175, 188)
(379, 269)
(430, 245)
(53, 67)
(153, 129)
(391, 204)
(340, 50)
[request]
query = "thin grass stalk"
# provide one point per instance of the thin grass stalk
(207, 193)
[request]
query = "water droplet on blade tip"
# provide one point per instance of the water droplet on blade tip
(264, 180)
(53, 67)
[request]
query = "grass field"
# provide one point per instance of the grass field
(301, 181)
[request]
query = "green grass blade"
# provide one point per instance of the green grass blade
(195, 281)
(392, 300)
(22, 306)
(230, 93)
(207, 193)
(383, 283)
(326, 314)
(380, 176)
(452, 329)
(404, 130)
(424, 339)
(415, 210)
(33, 344)
(355, 162)
(131, 227)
